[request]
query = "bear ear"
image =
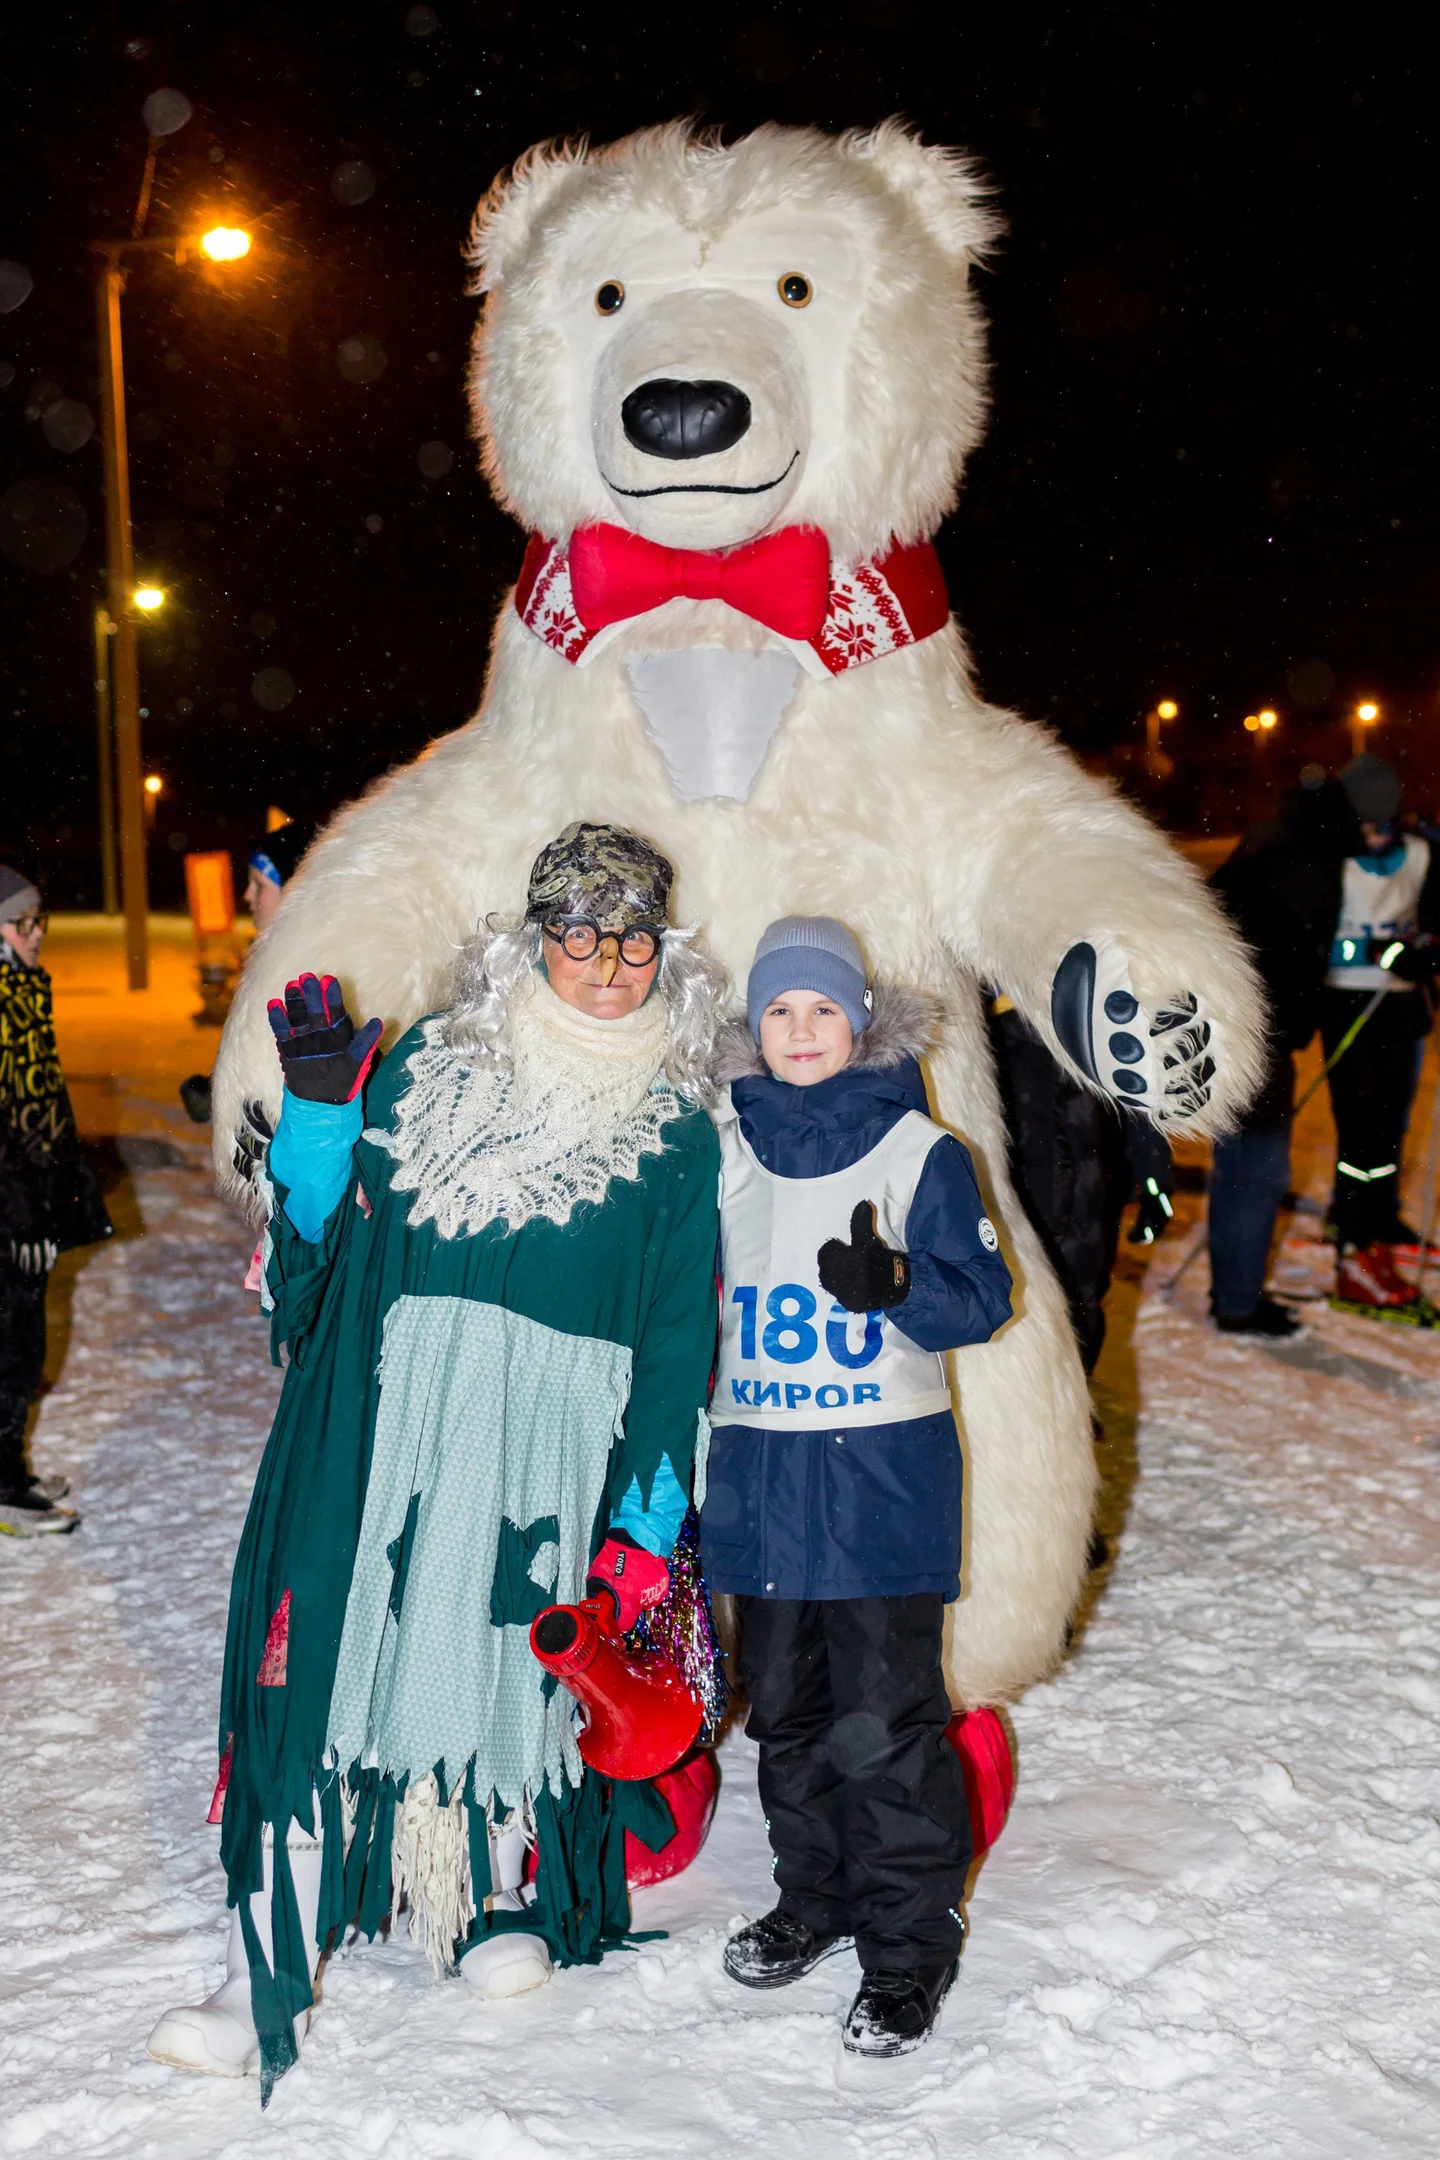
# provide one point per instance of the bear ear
(512, 206)
(944, 187)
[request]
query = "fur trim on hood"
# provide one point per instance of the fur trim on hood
(903, 1024)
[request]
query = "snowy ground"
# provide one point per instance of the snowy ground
(1210, 1925)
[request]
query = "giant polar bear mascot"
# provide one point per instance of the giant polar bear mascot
(685, 349)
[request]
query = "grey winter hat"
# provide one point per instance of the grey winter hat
(808, 952)
(17, 894)
(605, 873)
(1374, 787)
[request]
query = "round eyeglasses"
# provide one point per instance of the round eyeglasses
(580, 939)
(29, 924)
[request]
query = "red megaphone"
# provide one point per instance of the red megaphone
(639, 1715)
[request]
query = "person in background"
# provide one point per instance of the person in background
(1076, 1161)
(272, 863)
(49, 1200)
(1282, 889)
(1384, 944)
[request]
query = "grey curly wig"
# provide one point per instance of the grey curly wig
(502, 960)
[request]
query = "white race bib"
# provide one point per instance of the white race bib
(790, 1357)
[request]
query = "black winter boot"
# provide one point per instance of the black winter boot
(1268, 1318)
(25, 1511)
(895, 2012)
(778, 1949)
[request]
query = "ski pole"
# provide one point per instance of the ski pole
(1349, 1036)
(1168, 1289)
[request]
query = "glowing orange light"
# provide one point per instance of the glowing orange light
(226, 243)
(154, 785)
(1268, 719)
(1252, 723)
(1367, 713)
(148, 598)
(1167, 708)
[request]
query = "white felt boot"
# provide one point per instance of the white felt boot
(217, 2037)
(508, 1964)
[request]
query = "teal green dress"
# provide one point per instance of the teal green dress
(460, 1417)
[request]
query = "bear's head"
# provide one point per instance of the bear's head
(705, 342)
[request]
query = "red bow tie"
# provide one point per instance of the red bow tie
(782, 582)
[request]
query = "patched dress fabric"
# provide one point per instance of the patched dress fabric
(465, 1408)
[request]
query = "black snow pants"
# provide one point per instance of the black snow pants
(1370, 1092)
(864, 1797)
(22, 1363)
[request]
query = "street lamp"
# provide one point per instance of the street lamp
(1364, 716)
(226, 243)
(1156, 764)
(125, 598)
(154, 789)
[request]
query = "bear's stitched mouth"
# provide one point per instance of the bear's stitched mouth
(701, 487)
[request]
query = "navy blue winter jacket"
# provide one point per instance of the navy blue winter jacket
(866, 1510)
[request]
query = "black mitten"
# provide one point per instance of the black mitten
(1414, 959)
(322, 1057)
(866, 1275)
(1152, 1216)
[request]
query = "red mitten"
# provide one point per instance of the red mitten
(635, 1579)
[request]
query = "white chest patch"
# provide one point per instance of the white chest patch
(713, 713)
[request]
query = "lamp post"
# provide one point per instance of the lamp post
(109, 889)
(1157, 765)
(222, 244)
(1364, 716)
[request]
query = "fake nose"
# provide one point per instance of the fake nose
(669, 419)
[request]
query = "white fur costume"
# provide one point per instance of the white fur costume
(960, 843)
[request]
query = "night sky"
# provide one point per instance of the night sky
(1210, 473)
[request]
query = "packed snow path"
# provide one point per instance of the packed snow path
(1209, 1928)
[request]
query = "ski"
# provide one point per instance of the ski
(1418, 1313)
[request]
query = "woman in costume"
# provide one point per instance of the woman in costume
(498, 1300)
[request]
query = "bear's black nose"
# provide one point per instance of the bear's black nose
(685, 419)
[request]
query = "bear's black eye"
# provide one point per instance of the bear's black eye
(610, 297)
(796, 291)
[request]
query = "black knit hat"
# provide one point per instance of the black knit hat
(1374, 787)
(281, 851)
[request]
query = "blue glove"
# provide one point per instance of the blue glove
(658, 1526)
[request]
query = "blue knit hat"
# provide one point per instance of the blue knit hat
(808, 952)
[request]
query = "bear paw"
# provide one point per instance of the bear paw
(1160, 1061)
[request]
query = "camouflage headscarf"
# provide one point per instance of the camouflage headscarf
(610, 876)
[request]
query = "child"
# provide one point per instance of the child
(856, 1250)
(49, 1200)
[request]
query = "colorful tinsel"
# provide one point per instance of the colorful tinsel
(682, 1628)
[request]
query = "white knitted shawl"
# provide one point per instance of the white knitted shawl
(579, 1104)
